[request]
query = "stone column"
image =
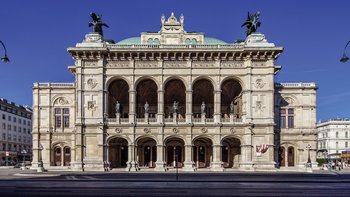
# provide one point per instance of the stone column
(132, 106)
(216, 163)
(188, 158)
(217, 106)
(62, 156)
(160, 114)
(189, 106)
(160, 158)
(131, 159)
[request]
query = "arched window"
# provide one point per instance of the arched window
(156, 41)
(188, 41)
(194, 41)
(150, 41)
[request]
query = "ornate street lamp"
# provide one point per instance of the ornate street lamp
(308, 164)
(5, 59)
(345, 58)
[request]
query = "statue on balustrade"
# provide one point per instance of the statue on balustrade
(203, 108)
(175, 107)
(97, 23)
(231, 107)
(117, 107)
(252, 23)
(146, 107)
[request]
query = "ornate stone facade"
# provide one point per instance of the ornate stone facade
(184, 100)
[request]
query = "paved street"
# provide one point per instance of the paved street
(28, 183)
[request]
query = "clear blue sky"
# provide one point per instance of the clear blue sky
(313, 34)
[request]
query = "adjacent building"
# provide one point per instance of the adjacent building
(333, 139)
(171, 99)
(15, 132)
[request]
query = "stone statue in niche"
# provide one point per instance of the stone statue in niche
(175, 107)
(231, 107)
(146, 107)
(203, 108)
(117, 107)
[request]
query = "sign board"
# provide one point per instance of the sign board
(7, 154)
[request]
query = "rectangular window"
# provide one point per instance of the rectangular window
(282, 118)
(3, 146)
(290, 118)
(4, 136)
(24, 122)
(346, 144)
(346, 134)
(20, 129)
(58, 119)
(4, 117)
(10, 147)
(3, 126)
(9, 118)
(62, 114)
(9, 127)
(14, 119)
(20, 138)
(14, 128)
(19, 121)
(336, 134)
(24, 130)
(66, 117)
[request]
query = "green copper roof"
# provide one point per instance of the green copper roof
(137, 40)
(132, 40)
(209, 40)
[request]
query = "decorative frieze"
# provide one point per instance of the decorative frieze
(175, 64)
(232, 64)
(118, 64)
(258, 63)
(90, 63)
(203, 64)
(146, 64)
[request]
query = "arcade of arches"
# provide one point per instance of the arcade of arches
(188, 101)
(174, 154)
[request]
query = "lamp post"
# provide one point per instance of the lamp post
(5, 59)
(308, 164)
(345, 58)
(24, 152)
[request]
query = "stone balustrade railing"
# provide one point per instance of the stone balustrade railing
(177, 46)
(296, 85)
(171, 120)
(54, 84)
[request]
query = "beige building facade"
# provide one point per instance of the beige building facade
(173, 99)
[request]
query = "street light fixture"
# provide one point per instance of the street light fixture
(345, 58)
(308, 164)
(5, 59)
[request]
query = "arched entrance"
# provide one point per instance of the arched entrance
(174, 92)
(67, 156)
(231, 99)
(57, 156)
(203, 91)
(118, 153)
(147, 152)
(282, 156)
(174, 151)
(290, 156)
(147, 91)
(118, 91)
(202, 152)
(231, 152)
